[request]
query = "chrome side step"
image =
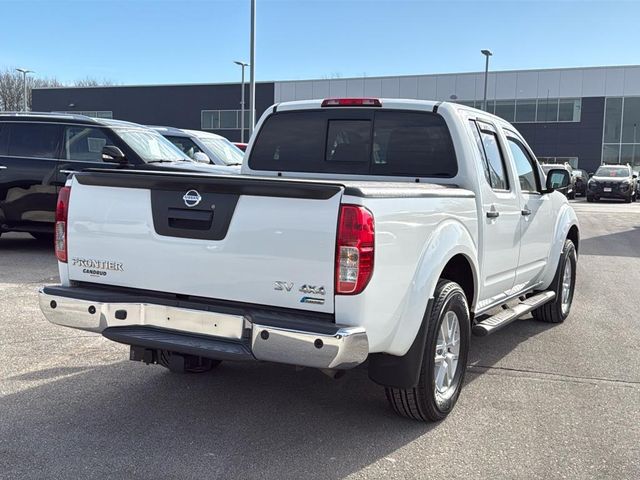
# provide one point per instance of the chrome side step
(508, 315)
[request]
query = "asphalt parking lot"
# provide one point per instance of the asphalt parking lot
(540, 401)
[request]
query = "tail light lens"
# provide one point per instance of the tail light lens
(354, 249)
(351, 102)
(62, 210)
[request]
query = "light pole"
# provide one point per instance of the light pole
(24, 72)
(252, 70)
(242, 65)
(487, 54)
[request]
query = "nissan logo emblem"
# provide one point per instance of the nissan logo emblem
(192, 198)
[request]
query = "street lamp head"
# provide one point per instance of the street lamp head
(488, 53)
(24, 71)
(242, 64)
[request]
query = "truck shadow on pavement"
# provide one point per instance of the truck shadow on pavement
(618, 244)
(128, 420)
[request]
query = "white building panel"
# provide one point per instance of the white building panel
(338, 88)
(391, 87)
(304, 90)
(491, 86)
(355, 87)
(373, 87)
(276, 92)
(445, 87)
(548, 84)
(527, 85)
(427, 88)
(632, 81)
(593, 82)
(466, 86)
(287, 91)
(321, 89)
(408, 87)
(506, 85)
(614, 83)
(570, 83)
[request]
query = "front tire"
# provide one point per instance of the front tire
(444, 362)
(563, 284)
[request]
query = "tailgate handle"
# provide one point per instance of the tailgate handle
(184, 219)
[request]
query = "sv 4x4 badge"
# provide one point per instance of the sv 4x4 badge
(306, 289)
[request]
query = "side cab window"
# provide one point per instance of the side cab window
(491, 153)
(526, 165)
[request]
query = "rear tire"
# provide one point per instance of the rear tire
(438, 388)
(589, 199)
(179, 363)
(563, 284)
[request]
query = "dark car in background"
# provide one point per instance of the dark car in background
(39, 151)
(570, 190)
(580, 178)
(613, 181)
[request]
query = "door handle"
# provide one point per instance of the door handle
(525, 211)
(493, 214)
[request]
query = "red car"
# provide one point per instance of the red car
(241, 146)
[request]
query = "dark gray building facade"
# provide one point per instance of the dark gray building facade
(583, 116)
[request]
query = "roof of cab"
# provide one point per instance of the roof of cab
(60, 117)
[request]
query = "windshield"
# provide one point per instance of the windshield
(223, 150)
(151, 146)
(612, 172)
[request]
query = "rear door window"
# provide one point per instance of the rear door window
(35, 140)
(4, 138)
(356, 141)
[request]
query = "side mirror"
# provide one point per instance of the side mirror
(590, 174)
(557, 178)
(201, 157)
(635, 176)
(112, 154)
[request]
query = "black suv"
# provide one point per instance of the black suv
(612, 181)
(38, 151)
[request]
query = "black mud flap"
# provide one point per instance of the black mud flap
(401, 372)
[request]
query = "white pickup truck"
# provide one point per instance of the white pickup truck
(382, 231)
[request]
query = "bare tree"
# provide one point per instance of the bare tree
(12, 87)
(92, 82)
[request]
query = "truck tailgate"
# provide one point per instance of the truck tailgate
(250, 240)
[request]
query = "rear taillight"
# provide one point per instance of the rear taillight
(351, 102)
(354, 249)
(62, 209)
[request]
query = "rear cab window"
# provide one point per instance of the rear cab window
(356, 142)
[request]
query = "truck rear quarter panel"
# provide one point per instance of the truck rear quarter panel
(415, 237)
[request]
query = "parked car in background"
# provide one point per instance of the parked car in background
(613, 181)
(362, 230)
(637, 174)
(39, 150)
(580, 181)
(241, 146)
(570, 190)
(204, 146)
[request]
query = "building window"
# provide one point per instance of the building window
(621, 136)
(223, 119)
(542, 110)
(93, 113)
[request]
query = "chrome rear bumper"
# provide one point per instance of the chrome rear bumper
(332, 347)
